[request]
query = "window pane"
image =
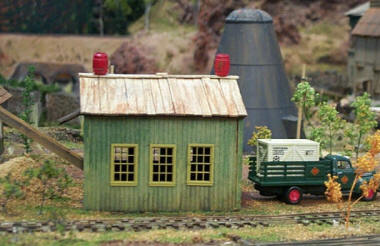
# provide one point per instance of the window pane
(192, 176)
(199, 176)
(193, 167)
(124, 168)
(162, 177)
(169, 178)
(155, 168)
(130, 177)
(207, 150)
(169, 168)
(169, 151)
(131, 168)
(194, 150)
(162, 168)
(117, 168)
(200, 167)
(207, 177)
(123, 177)
(155, 177)
(162, 151)
(207, 168)
(131, 151)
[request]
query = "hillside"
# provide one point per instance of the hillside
(317, 35)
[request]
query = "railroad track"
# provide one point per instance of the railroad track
(182, 223)
(349, 241)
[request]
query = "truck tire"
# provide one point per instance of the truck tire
(371, 196)
(293, 195)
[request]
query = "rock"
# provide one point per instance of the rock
(60, 104)
(15, 104)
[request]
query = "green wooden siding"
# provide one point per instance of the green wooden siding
(224, 133)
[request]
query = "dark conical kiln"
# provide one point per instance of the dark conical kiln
(251, 42)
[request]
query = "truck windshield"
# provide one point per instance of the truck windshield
(343, 164)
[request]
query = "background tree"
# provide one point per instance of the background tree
(304, 98)
(78, 17)
(365, 120)
(118, 14)
(27, 103)
(148, 7)
(330, 126)
(260, 132)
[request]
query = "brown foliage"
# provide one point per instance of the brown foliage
(210, 23)
(130, 59)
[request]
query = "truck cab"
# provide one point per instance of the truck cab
(342, 168)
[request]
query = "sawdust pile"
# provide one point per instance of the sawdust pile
(16, 167)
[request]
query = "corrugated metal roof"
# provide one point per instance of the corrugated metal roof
(248, 15)
(369, 24)
(161, 94)
(4, 95)
(358, 10)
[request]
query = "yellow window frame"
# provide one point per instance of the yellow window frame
(189, 155)
(160, 183)
(135, 163)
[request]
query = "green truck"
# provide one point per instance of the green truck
(289, 180)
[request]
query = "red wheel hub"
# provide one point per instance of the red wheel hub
(294, 195)
(370, 195)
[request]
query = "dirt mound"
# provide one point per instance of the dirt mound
(16, 167)
(130, 58)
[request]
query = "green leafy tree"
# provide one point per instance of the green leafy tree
(54, 181)
(304, 97)
(27, 102)
(10, 189)
(330, 125)
(260, 132)
(118, 14)
(365, 121)
(351, 135)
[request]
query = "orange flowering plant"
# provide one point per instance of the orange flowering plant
(364, 164)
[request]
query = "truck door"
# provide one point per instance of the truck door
(346, 174)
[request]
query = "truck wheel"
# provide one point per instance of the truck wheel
(371, 196)
(293, 195)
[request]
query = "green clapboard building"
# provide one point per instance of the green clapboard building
(162, 142)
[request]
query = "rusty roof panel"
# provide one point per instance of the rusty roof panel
(182, 95)
(4, 95)
(369, 24)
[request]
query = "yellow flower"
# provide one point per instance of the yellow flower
(333, 191)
